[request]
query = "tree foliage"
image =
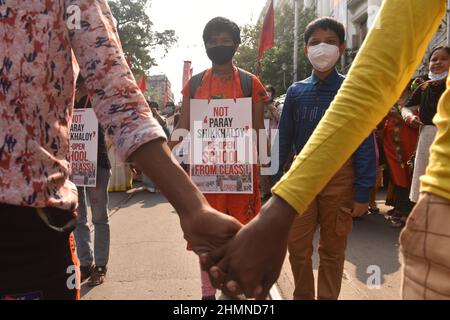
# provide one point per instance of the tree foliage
(282, 53)
(136, 34)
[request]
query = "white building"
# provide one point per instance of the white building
(358, 16)
(160, 90)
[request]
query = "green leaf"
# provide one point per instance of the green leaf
(283, 51)
(137, 35)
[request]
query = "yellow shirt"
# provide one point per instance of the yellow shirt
(385, 63)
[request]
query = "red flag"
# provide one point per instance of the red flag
(143, 84)
(266, 39)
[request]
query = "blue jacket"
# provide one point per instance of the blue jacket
(305, 104)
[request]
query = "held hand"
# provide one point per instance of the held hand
(252, 261)
(209, 229)
(414, 121)
(359, 209)
(272, 108)
(204, 227)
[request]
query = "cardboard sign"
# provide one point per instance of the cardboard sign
(222, 151)
(84, 147)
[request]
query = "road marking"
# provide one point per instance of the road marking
(274, 293)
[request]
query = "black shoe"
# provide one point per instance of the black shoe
(86, 272)
(398, 223)
(209, 298)
(391, 212)
(374, 209)
(396, 215)
(98, 276)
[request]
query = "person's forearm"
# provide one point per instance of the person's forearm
(117, 101)
(155, 160)
(279, 214)
(160, 119)
(275, 114)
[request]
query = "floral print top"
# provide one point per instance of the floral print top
(41, 43)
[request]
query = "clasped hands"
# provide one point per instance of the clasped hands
(242, 259)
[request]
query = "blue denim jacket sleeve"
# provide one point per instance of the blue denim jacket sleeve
(365, 163)
(286, 130)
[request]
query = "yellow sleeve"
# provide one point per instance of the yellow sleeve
(436, 180)
(385, 63)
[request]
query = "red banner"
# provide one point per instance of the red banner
(266, 40)
(143, 84)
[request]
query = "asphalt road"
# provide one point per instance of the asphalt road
(149, 260)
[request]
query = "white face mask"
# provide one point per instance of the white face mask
(436, 77)
(323, 56)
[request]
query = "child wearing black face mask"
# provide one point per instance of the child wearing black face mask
(222, 38)
(224, 81)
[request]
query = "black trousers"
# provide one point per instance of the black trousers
(401, 200)
(36, 262)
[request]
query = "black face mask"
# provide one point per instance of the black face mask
(221, 54)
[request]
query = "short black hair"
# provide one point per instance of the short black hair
(221, 24)
(445, 48)
(325, 23)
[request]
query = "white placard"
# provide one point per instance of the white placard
(222, 151)
(84, 147)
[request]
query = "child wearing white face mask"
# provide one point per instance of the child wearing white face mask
(323, 56)
(348, 193)
(425, 100)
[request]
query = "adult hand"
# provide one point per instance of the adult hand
(272, 108)
(251, 262)
(208, 229)
(204, 227)
(414, 121)
(359, 209)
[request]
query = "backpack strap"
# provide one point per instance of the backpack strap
(195, 82)
(246, 82)
(245, 77)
